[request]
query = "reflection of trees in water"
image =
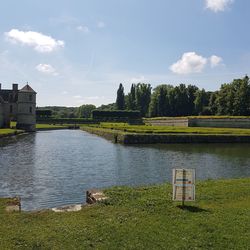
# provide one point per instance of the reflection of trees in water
(229, 150)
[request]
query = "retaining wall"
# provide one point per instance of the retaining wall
(219, 122)
(201, 122)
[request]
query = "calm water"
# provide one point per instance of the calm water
(54, 168)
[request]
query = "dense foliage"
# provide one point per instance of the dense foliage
(168, 100)
(120, 100)
(85, 111)
(61, 111)
(182, 100)
(106, 115)
(43, 113)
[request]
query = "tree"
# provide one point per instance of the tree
(191, 90)
(120, 99)
(213, 104)
(159, 104)
(131, 98)
(241, 104)
(143, 97)
(201, 101)
(85, 110)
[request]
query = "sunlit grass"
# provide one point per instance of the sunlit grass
(124, 127)
(140, 218)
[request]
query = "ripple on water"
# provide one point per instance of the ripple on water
(54, 168)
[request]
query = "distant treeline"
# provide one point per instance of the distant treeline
(231, 99)
(167, 100)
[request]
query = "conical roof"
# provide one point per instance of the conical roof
(27, 88)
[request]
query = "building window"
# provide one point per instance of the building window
(30, 109)
(11, 109)
(30, 98)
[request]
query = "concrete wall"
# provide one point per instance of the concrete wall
(219, 122)
(176, 122)
(201, 122)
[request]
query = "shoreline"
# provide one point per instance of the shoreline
(143, 217)
(127, 138)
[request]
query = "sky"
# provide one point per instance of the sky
(77, 52)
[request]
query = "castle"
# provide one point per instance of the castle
(18, 105)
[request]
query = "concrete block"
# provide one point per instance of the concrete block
(95, 195)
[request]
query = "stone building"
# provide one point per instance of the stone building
(18, 105)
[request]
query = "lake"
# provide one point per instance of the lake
(53, 168)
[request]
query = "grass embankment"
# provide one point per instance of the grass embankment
(4, 132)
(50, 126)
(141, 218)
(45, 126)
(148, 129)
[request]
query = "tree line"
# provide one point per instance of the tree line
(168, 100)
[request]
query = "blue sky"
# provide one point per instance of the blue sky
(77, 52)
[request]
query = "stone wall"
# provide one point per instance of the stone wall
(219, 122)
(201, 122)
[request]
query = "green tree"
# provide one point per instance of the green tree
(143, 96)
(131, 98)
(201, 101)
(241, 104)
(85, 110)
(159, 104)
(191, 91)
(120, 99)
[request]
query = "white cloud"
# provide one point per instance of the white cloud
(64, 92)
(215, 61)
(84, 29)
(190, 62)
(46, 69)
(101, 24)
(218, 5)
(38, 41)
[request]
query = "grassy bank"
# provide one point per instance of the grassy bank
(50, 126)
(148, 134)
(124, 127)
(5, 132)
(141, 218)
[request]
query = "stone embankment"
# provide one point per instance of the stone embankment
(138, 138)
(92, 196)
(200, 122)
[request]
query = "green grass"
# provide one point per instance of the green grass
(124, 127)
(44, 126)
(7, 132)
(140, 218)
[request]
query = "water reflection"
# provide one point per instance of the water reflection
(55, 168)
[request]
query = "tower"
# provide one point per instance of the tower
(26, 109)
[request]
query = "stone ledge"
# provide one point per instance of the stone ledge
(94, 196)
(13, 205)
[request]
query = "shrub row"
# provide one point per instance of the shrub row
(115, 114)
